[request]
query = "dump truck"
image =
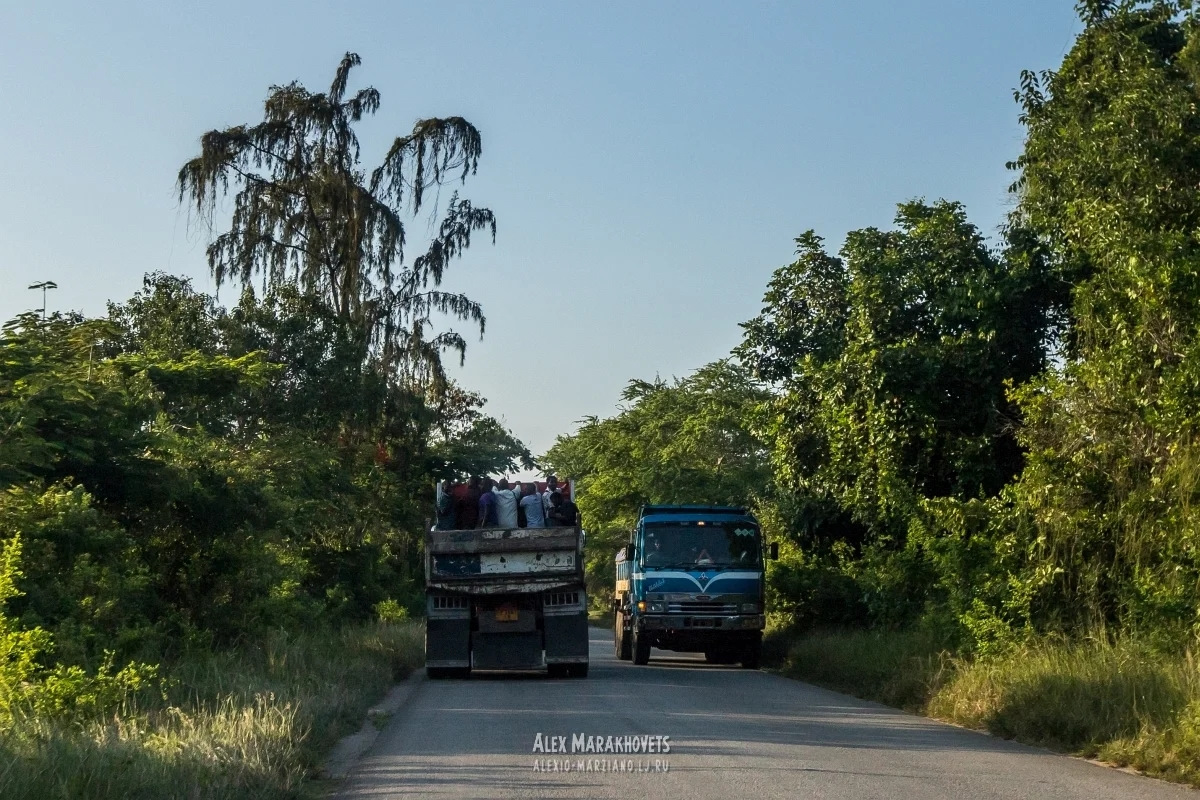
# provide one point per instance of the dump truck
(505, 599)
(690, 579)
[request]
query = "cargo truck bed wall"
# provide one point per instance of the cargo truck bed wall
(500, 560)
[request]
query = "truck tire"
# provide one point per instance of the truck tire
(558, 670)
(577, 671)
(752, 655)
(641, 648)
(621, 639)
(436, 673)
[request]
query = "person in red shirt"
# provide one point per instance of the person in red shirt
(466, 506)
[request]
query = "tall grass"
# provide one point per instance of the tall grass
(1121, 702)
(900, 668)
(249, 722)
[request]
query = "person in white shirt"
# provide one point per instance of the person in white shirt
(506, 504)
(551, 488)
(531, 503)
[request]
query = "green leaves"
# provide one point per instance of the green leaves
(1109, 177)
(893, 360)
(686, 441)
(304, 216)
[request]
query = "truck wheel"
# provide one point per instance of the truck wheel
(558, 670)
(436, 673)
(641, 648)
(752, 655)
(621, 639)
(578, 671)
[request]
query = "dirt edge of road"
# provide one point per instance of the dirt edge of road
(346, 753)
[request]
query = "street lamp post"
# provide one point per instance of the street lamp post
(44, 285)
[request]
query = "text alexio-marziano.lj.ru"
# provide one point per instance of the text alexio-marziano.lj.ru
(607, 753)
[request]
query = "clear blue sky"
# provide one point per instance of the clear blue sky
(649, 163)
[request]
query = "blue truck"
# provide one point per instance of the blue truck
(690, 579)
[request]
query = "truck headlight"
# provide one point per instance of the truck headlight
(749, 608)
(657, 608)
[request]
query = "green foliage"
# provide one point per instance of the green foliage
(893, 360)
(687, 441)
(306, 216)
(901, 668)
(252, 721)
(1123, 702)
(1108, 181)
(69, 691)
(86, 582)
(168, 494)
(19, 649)
(893, 363)
(390, 611)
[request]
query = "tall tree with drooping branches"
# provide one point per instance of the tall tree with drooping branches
(306, 212)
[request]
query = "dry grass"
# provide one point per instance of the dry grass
(248, 723)
(1123, 703)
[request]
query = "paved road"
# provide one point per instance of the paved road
(733, 734)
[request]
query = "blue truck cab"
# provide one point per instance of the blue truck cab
(691, 579)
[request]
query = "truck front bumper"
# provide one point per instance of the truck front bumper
(698, 624)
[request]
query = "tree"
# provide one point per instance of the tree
(1107, 181)
(894, 360)
(686, 441)
(305, 212)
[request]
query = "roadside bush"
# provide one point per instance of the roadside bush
(1074, 696)
(900, 668)
(246, 722)
(816, 595)
(19, 649)
(83, 579)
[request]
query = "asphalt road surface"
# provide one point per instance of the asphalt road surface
(733, 734)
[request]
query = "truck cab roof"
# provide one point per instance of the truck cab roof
(659, 514)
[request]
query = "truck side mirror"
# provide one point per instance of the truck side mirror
(631, 553)
(774, 551)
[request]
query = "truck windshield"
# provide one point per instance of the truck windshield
(691, 546)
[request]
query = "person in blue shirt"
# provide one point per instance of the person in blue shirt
(487, 505)
(531, 504)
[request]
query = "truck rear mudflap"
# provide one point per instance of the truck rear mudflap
(505, 633)
(565, 620)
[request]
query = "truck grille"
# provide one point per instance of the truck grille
(702, 608)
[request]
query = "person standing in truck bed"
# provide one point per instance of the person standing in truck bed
(531, 504)
(569, 512)
(466, 506)
(445, 507)
(563, 512)
(551, 489)
(506, 505)
(487, 505)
